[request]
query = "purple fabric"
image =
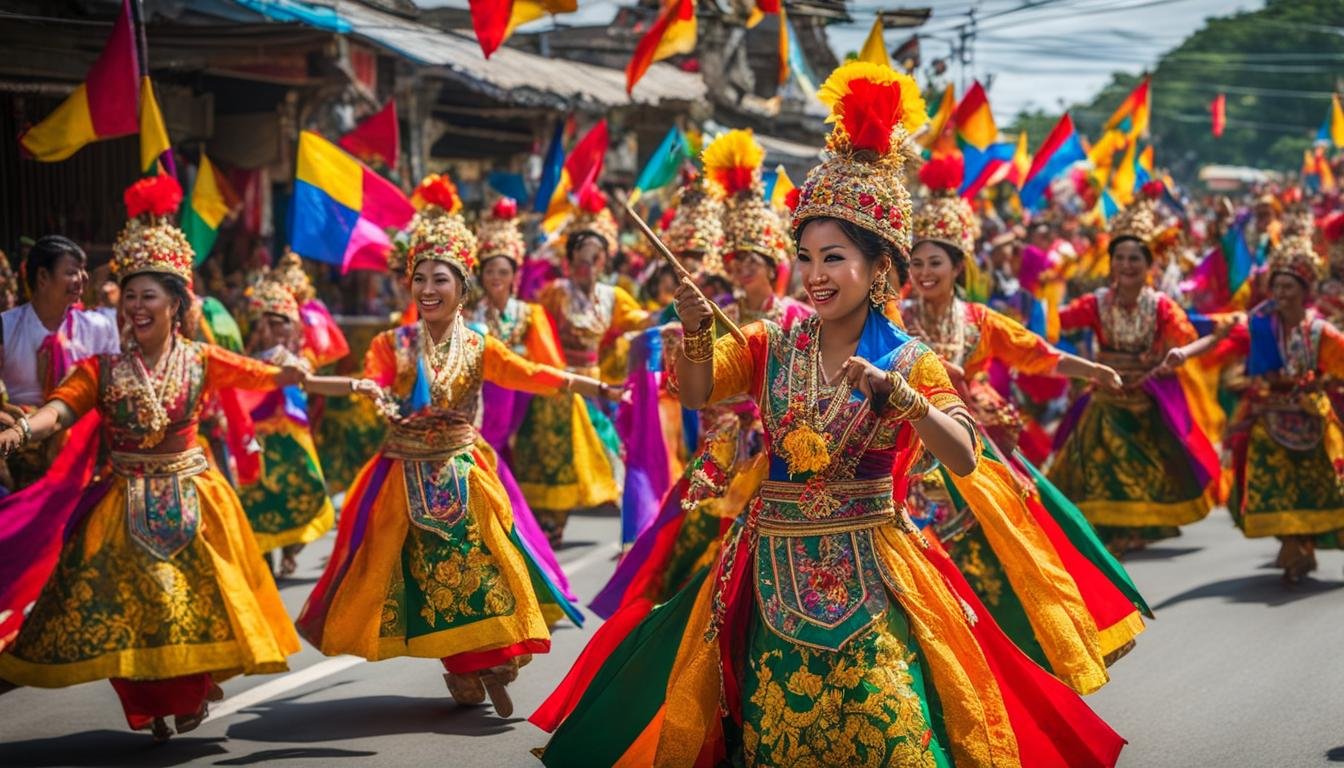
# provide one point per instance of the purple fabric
(606, 603)
(1034, 262)
(503, 411)
(1170, 398)
(647, 477)
(1070, 420)
(536, 274)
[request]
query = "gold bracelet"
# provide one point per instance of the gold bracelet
(698, 347)
(905, 403)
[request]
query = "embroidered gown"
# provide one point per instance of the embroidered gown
(288, 503)
(1286, 441)
(159, 584)
(824, 629)
(527, 331)
(566, 452)
(427, 561)
(1136, 458)
(722, 475)
(1030, 555)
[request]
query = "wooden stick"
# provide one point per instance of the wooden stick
(671, 258)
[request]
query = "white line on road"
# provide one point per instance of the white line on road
(282, 685)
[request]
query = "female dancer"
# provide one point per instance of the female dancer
(566, 454)
(1133, 459)
(159, 585)
(427, 561)
(1047, 579)
(824, 634)
(527, 331)
(1286, 441)
(287, 505)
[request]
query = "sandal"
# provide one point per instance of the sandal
(190, 722)
(466, 690)
(496, 680)
(160, 731)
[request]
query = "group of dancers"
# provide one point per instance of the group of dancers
(860, 546)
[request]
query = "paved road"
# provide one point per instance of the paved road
(1236, 671)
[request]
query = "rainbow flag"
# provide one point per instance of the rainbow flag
(207, 205)
(977, 136)
(672, 33)
(1332, 129)
(340, 210)
(939, 119)
(580, 170)
(104, 106)
(1060, 150)
(1131, 117)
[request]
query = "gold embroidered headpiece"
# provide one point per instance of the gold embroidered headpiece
(289, 272)
(498, 234)
(697, 219)
(594, 216)
(273, 297)
(437, 231)
(1295, 255)
(733, 163)
(874, 110)
(150, 241)
(1139, 220)
(946, 217)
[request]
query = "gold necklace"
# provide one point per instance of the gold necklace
(446, 359)
(947, 334)
(157, 389)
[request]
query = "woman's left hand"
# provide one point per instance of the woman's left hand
(867, 378)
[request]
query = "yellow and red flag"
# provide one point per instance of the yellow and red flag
(1131, 117)
(938, 122)
(672, 33)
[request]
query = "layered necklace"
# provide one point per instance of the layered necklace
(157, 388)
(945, 334)
(1129, 329)
(509, 325)
(447, 360)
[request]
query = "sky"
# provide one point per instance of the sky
(1031, 53)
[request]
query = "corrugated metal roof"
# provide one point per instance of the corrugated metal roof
(510, 75)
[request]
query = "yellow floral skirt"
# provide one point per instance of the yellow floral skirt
(288, 504)
(112, 608)
(561, 455)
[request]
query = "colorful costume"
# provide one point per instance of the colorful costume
(1286, 441)
(566, 453)
(826, 632)
(427, 561)
(159, 584)
(1134, 459)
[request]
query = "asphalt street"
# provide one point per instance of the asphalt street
(1237, 670)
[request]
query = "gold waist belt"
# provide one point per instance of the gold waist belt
(836, 506)
(429, 444)
(185, 464)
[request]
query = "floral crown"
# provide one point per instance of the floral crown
(498, 234)
(733, 162)
(1139, 220)
(874, 110)
(289, 271)
(150, 242)
(696, 224)
(594, 217)
(1296, 256)
(437, 232)
(946, 217)
(273, 297)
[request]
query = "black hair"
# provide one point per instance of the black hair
(954, 255)
(1147, 252)
(573, 242)
(870, 244)
(176, 288)
(480, 268)
(46, 252)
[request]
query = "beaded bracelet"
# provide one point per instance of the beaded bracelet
(698, 347)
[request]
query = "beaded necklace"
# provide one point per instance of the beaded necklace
(447, 359)
(945, 334)
(156, 389)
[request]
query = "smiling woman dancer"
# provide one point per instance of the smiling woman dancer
(865, 656)
(160, 585)
(427, 561)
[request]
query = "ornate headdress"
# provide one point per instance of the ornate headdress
(498, 234)
(1295, 255)
(437, 232)
(875, 109)
(289, 272)
(697, 219)
(150, 242)
(946, 217)
(1332, 232)
(1139, 220)
(593, 216)
(273, 297)
(733, 162)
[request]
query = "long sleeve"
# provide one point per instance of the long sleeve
(1079, 313)
(626, 314)
(1003, 338)
(1330, 357)
(1173, 324)
(738, 368)
(79, 390)
(230, 370)
(501, 366)
(543, 344)
(380, 362)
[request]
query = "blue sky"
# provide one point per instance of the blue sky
(1040, 53)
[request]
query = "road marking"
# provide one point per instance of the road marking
(599, 554)
(281, 685)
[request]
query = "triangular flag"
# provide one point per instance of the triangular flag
(206, 207)
(874, 50)
(153, 134)
(377, 137)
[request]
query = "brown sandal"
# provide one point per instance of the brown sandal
(160, 730)
(190, 722)
(496, 680)
(466, 690)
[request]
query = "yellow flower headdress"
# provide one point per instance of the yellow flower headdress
(437, 232)
(733, 162)
(150, 242)
(874, 110)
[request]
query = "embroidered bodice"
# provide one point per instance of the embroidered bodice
(509, 326)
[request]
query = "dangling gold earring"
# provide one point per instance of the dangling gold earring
(877, 293)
